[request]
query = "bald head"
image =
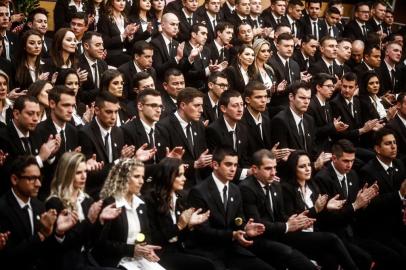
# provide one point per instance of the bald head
(170, 25)
(357, 50)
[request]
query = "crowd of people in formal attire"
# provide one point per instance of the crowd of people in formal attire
(148, 135)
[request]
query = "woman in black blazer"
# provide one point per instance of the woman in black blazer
(40, 90)
(6, 106)
(301, 194)
(123, 241)
(94, 9)
(240, 73)
(142, 16)
(118, 33)
(171, 221)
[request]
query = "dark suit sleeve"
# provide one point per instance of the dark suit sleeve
(279, 134)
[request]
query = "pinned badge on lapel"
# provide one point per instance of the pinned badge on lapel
(350, 183)
(195, 133)
(115, 145)
(140, 212)
(178, 213)
(159, 144)
(140, 238)
(238, 221)
(274, 194)
(36, 151)
(231, 199)
(239, 142)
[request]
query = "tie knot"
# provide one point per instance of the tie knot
(94, 65)
(231, 132)
(390, 170)
(26, 207)
(151, 132)
(225, 188)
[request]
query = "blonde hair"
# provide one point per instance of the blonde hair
(116, 181)
(258, 43)
(62, 182)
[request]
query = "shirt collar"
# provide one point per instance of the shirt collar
(257, 121)
(296, 117)
(167, 40)
(58, 128)
(218, 46)
(390, 68)
(147, 127)
(20, 202)
(186, 15)
(360, 23)
(230, 6)
(282, 59)
(241, 17)
(348, 101)
(327, 63)
(20, 133)
(103, 131)
(220, 185)
(402, 119)
(211, 17)
(385, 167)
(322, 103)
(136, 201)
(290, 19)
(229, 128)
(339, 175)
(182, 122)
(212, 103)
(91, 62)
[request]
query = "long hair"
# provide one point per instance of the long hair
(62, 182)
(251, 68)
(63, 74)
(56, 49)
(109, 11)
(168, 170)
(107, 77)
(22, 77)
(291, 165)
(363, 84)
(258, 43)
(136, 8)
(116, 181)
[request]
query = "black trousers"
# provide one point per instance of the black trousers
(174, 259)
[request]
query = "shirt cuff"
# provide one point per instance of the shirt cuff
(402, 197)
(59, 239)
(51, 160)
(243, 174)
(207, 71)
(39, 161)
(287, 227)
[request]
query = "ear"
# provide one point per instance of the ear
(247, 100)
(29, 24)
(52, 104)
(223, 108)
(139, 106)
(86, 46)
(16, 113)
(13, 180)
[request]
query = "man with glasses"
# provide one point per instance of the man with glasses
(38, 20)
(79, 25)
(358, 27)
(217, 84)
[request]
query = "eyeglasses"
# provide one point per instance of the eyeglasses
(31, 177)
(329, 85)
(222, 85)
(154, 105)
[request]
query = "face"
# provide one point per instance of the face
(357, 53)
(303, 168)
(3, 88)
(326, 89)
(387, 149)
(256, 7)
(314, 10)
(264, 53)
(227, 168)
(33, 46)
(194, 109)
(226, 36)
(144, 60)
(344, 163)
(170, 25)
(374, 59)
(243, 8)
(279, 8)
(310, 47)
(266, 172)
(333, 18)
(344, 50)
(135, 181)
(285, 48)
(95, 47)
(300, 102)
(295, 12)
(329, 49)
(218, 87)
(72, 82)
(246, 58)
(40, 23)
(257, 101)
(379, 12)
(78, 27)
(80, 177)
(146, 83)
(179, 180)
(4, 17)
(28, 183)
(234, 109)
(151, 109)
(363, 13)
(213, 6)
(348, 89)
(401, 106)
(69, 42)
(190, 5)
(116, 86)
(389, 18)
(28, 118)
(64, 108)
(107, 115)
(245, 33)
(201, 36)
(394, 52)
(373, 85)
(174, 85)
(43, 95)
(158, 5)
(145, 5)
(118, 5)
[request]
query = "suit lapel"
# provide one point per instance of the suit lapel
(293, 127)
(178, 128)
(98, 139)
(215, 197)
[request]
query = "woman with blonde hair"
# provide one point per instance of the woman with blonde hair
(123, 241)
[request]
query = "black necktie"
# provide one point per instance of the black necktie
(278, 21)
(256, 23)
(268, 198)
(214, 24)
(259, 125)
(302, 135)
(330, 69)
(364, 30)
(96, 75)
(6, 50)
(225, 198)
(215, 110)
(151, 138)
(189, 136)
(344, 186)
(390, 172)
(293, 29)
(330, 32)
(107, 145)
(315, 30)
(189, 20)
(287, 72)
(350, 108)
(63, 141)
(232, 139)
(27, 219)
(325, 113)
(80, 49)
(170, 48)
(306, 63)
(27, 147)
(393, 77)
(222, 54)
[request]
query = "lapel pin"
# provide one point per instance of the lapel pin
(115, 145)
(159, 144)
(178, 213)
(238, 221)
(350, 183)
(396, 169)
(140, 211)
(274, 194)
(36, 151)
(231, 199)
(239, 141)
(195, 133)
(140, 238)
(38, 217)
(355, 111)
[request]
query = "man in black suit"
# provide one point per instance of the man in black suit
(92, 62)
(305, 55)
(9, 39)
(312, 25)
(217, 84)
(241, 13)
(357, 53)
(20, 137)
(286, 69)
(358, 27)
(210, 15)
(256, 19)
(320, 109)
(223, 237)
(187, 17)
(228, 130)
(293, 16)
(255, 119)
(102, 138)
(79, 25)
(327, 63)
(174, 82)
(6, 66)
(142, 62)
(388, 21)
(219, 51)
(329, 26)
(376, 23)
(398, 126)
(274, 14)
(343, 55)
(339, 178)
(228, 9)
(142, 81)
(388, 172)
(183, 128)
(389, 73)
(31, 237)
(371, 61)
(38, 20)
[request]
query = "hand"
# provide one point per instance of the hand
(305, 76)
(365, 195)
(54, 77)
(146, 251)
(176, 152)
(320, 203)
(16, 93)
(198, 217)
(184, 218)
(47, 221)
(65, 221)
(403, 188)
(150, 27)
(254, 229)
(193, 54)
(298, 222)
(143, 154)
(49, 148)
(3, 157)
(94, 211)
(204, 160)
(240, 237)
(43, 76)
(339, 125)
(335, 204)
(82, 74)
(391, 112)
(281, 86)
(3, 239)
(281, 154)
(91, 19)
(213, 67)
(321, 160)
(127, 151)
(88, 114)
(179, 51)
(109, 212)
(368, 126)
(93, 165)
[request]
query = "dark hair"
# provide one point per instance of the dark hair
(295, 86)
(88, 35)
(401, 96)
(280, 25)
(320, 78)
(221, 152)
(21, 163)
(196, 28)
(370, 47)
(139, 76)
(332, 10)
(308, 38)
(36, 88)
(214, 75)
(363, 83)
(107, 77)
(295, 3)
(19, 104)
(221, 26)
(147, 92)
(168, 170)
(342, 146)
(187, 95)
(35, 11)
(136, 8)
(291, 165)
(259, 156)
(360, 4)
(63, 74)
(57, 91)
(140, 46)
(81, 16)
(105, 96)
(171, 72)
(344, 39)
(56, 49)
(350, 77)
(378, 135)
(325, 38)
(252, 86)
(313, 1)
(377, 2)
(284, 36)
(226, 96)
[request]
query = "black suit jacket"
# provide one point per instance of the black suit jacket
(360, 70)
(215, 55)
(399, 128)
(324, 31)
(353, 31)
(196, 75)
(226, 12)
(208, 112)
(184, 26)
(375, 27)
(169, 105)
(269, 19)
(13, 41)
(321, 67)
(204, 18)
(45, 51)
(308, 26)
(235, 79)
(386, 81)
(298, 57)
(63, 13)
